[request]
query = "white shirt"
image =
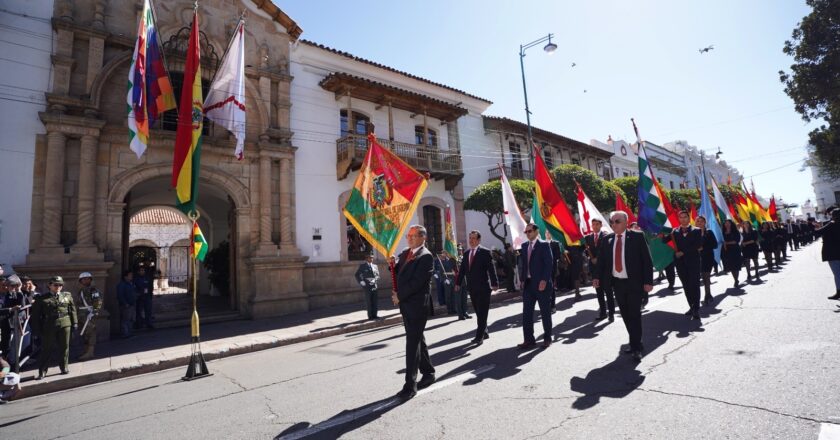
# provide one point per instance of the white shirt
(623, 273)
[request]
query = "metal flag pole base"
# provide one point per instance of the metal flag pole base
(197, 367)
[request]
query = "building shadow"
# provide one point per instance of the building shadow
(341, 423)
(622, 376)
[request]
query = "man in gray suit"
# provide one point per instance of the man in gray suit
(368, 276)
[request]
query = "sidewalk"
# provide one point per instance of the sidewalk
(169, 348)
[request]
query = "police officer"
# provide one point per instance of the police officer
(367, 276)
(91, 303)
(53, 317)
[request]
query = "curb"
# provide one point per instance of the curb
(36, 388)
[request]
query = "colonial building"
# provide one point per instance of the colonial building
(694, 158)
(624, 161)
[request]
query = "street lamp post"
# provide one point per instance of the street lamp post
(549, 48)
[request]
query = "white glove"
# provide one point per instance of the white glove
(362, 283)
(447, 282)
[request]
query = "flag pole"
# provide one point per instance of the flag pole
(197, 367)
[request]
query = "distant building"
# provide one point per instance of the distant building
(826, 190)
(694, 158)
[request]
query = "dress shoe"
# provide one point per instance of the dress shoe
(526, 345)
(600, 317)
(425, 381)
(688, 313)
(695, 315)
(486, 335)
(710, 301)
(637, 356)
(835, 296)
(408, 391)
(611, 318)
(467, 316)
(629, 349)
(476, 341)
(65, 371)
(461, 318)
(547, 343)
(578, 297)
(41, 374)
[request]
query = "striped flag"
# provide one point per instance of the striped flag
(149, 88)
(225, 103)
(384, 197)
(200, 246)
(655, 212)
(553, 209)
(724, 211)
(187, 161)
(588, 212)
(707, 210)
(513, 217)
(450, 245)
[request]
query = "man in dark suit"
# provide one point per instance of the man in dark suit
(414, 271)
(793, 234)
(535, 272)
(688, 241)
(625, 266)
(593, 241)
(478, 275)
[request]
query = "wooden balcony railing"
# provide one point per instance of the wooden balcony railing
(440, 164)
(511, 173)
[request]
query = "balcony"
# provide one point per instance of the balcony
(440, 164)
(511, 173)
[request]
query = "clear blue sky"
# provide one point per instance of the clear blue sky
(634, 59)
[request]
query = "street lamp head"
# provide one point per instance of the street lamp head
(550, 47)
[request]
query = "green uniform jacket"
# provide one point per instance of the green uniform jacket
(53, 311)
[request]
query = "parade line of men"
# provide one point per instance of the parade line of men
(620, 265)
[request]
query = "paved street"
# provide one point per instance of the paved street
(762, 365)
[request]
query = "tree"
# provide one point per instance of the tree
(487, 199)
(682, 198)
(814, 81)
(629, 185)
(600, 191)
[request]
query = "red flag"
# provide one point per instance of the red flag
(772, 209)
(693, 211)
(620, 206)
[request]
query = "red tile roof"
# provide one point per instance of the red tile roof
(158, 216)
(382, 66)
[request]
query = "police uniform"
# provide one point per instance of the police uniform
(91, 303)
(367, 275)
(53, 318)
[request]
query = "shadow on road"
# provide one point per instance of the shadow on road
(341, 423)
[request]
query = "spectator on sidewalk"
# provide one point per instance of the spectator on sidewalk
(127, 298)
(830, 234)
(367, 275)
(54, 319)
(10, 305)
(447, 272)
(91, 303)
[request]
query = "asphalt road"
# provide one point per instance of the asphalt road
(763, 364)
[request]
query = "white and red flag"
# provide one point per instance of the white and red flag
(225, 103)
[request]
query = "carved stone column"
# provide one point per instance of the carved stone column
(87, 186)
(53, 189)
(287, 244)
(266, 246)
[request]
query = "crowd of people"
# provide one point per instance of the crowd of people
(619, 265)
(39, 326)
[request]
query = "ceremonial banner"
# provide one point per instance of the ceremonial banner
(225, 103)
(513, 217)
(450, 245)
(553, 209)
(149, 88)
(187, 161)
(588, 212)
(384, 197)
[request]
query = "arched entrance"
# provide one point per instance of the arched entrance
(146, 194)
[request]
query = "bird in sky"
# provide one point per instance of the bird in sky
(706, 49)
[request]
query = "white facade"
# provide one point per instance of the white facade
(625, 160)
(26, 43)
(694, 157)
(668, 166)
(826, 191)
(315, 122)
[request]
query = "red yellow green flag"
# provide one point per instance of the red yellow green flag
(185, 166)
(384, 197)
(552, 207)
(200, 246)
(450, 245)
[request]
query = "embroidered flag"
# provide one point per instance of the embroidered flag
(187, 161)
(149, 88)
(225, 103)
(450, 245)
(513, 217)
(553, 209)
(384, 197)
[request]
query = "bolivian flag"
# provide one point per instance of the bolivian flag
(553, 209)
(185, 166)
(384, 197)
(200, 245)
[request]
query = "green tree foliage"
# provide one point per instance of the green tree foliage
(629, 185)
(487, 199)
(682, 198)
(813, 82)
(600, 191)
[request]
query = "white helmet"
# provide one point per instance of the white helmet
(85, 275)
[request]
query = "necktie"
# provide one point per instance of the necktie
(596, 239)
(619, 267)
(530, 248)
(410, 256)
(472, 255)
